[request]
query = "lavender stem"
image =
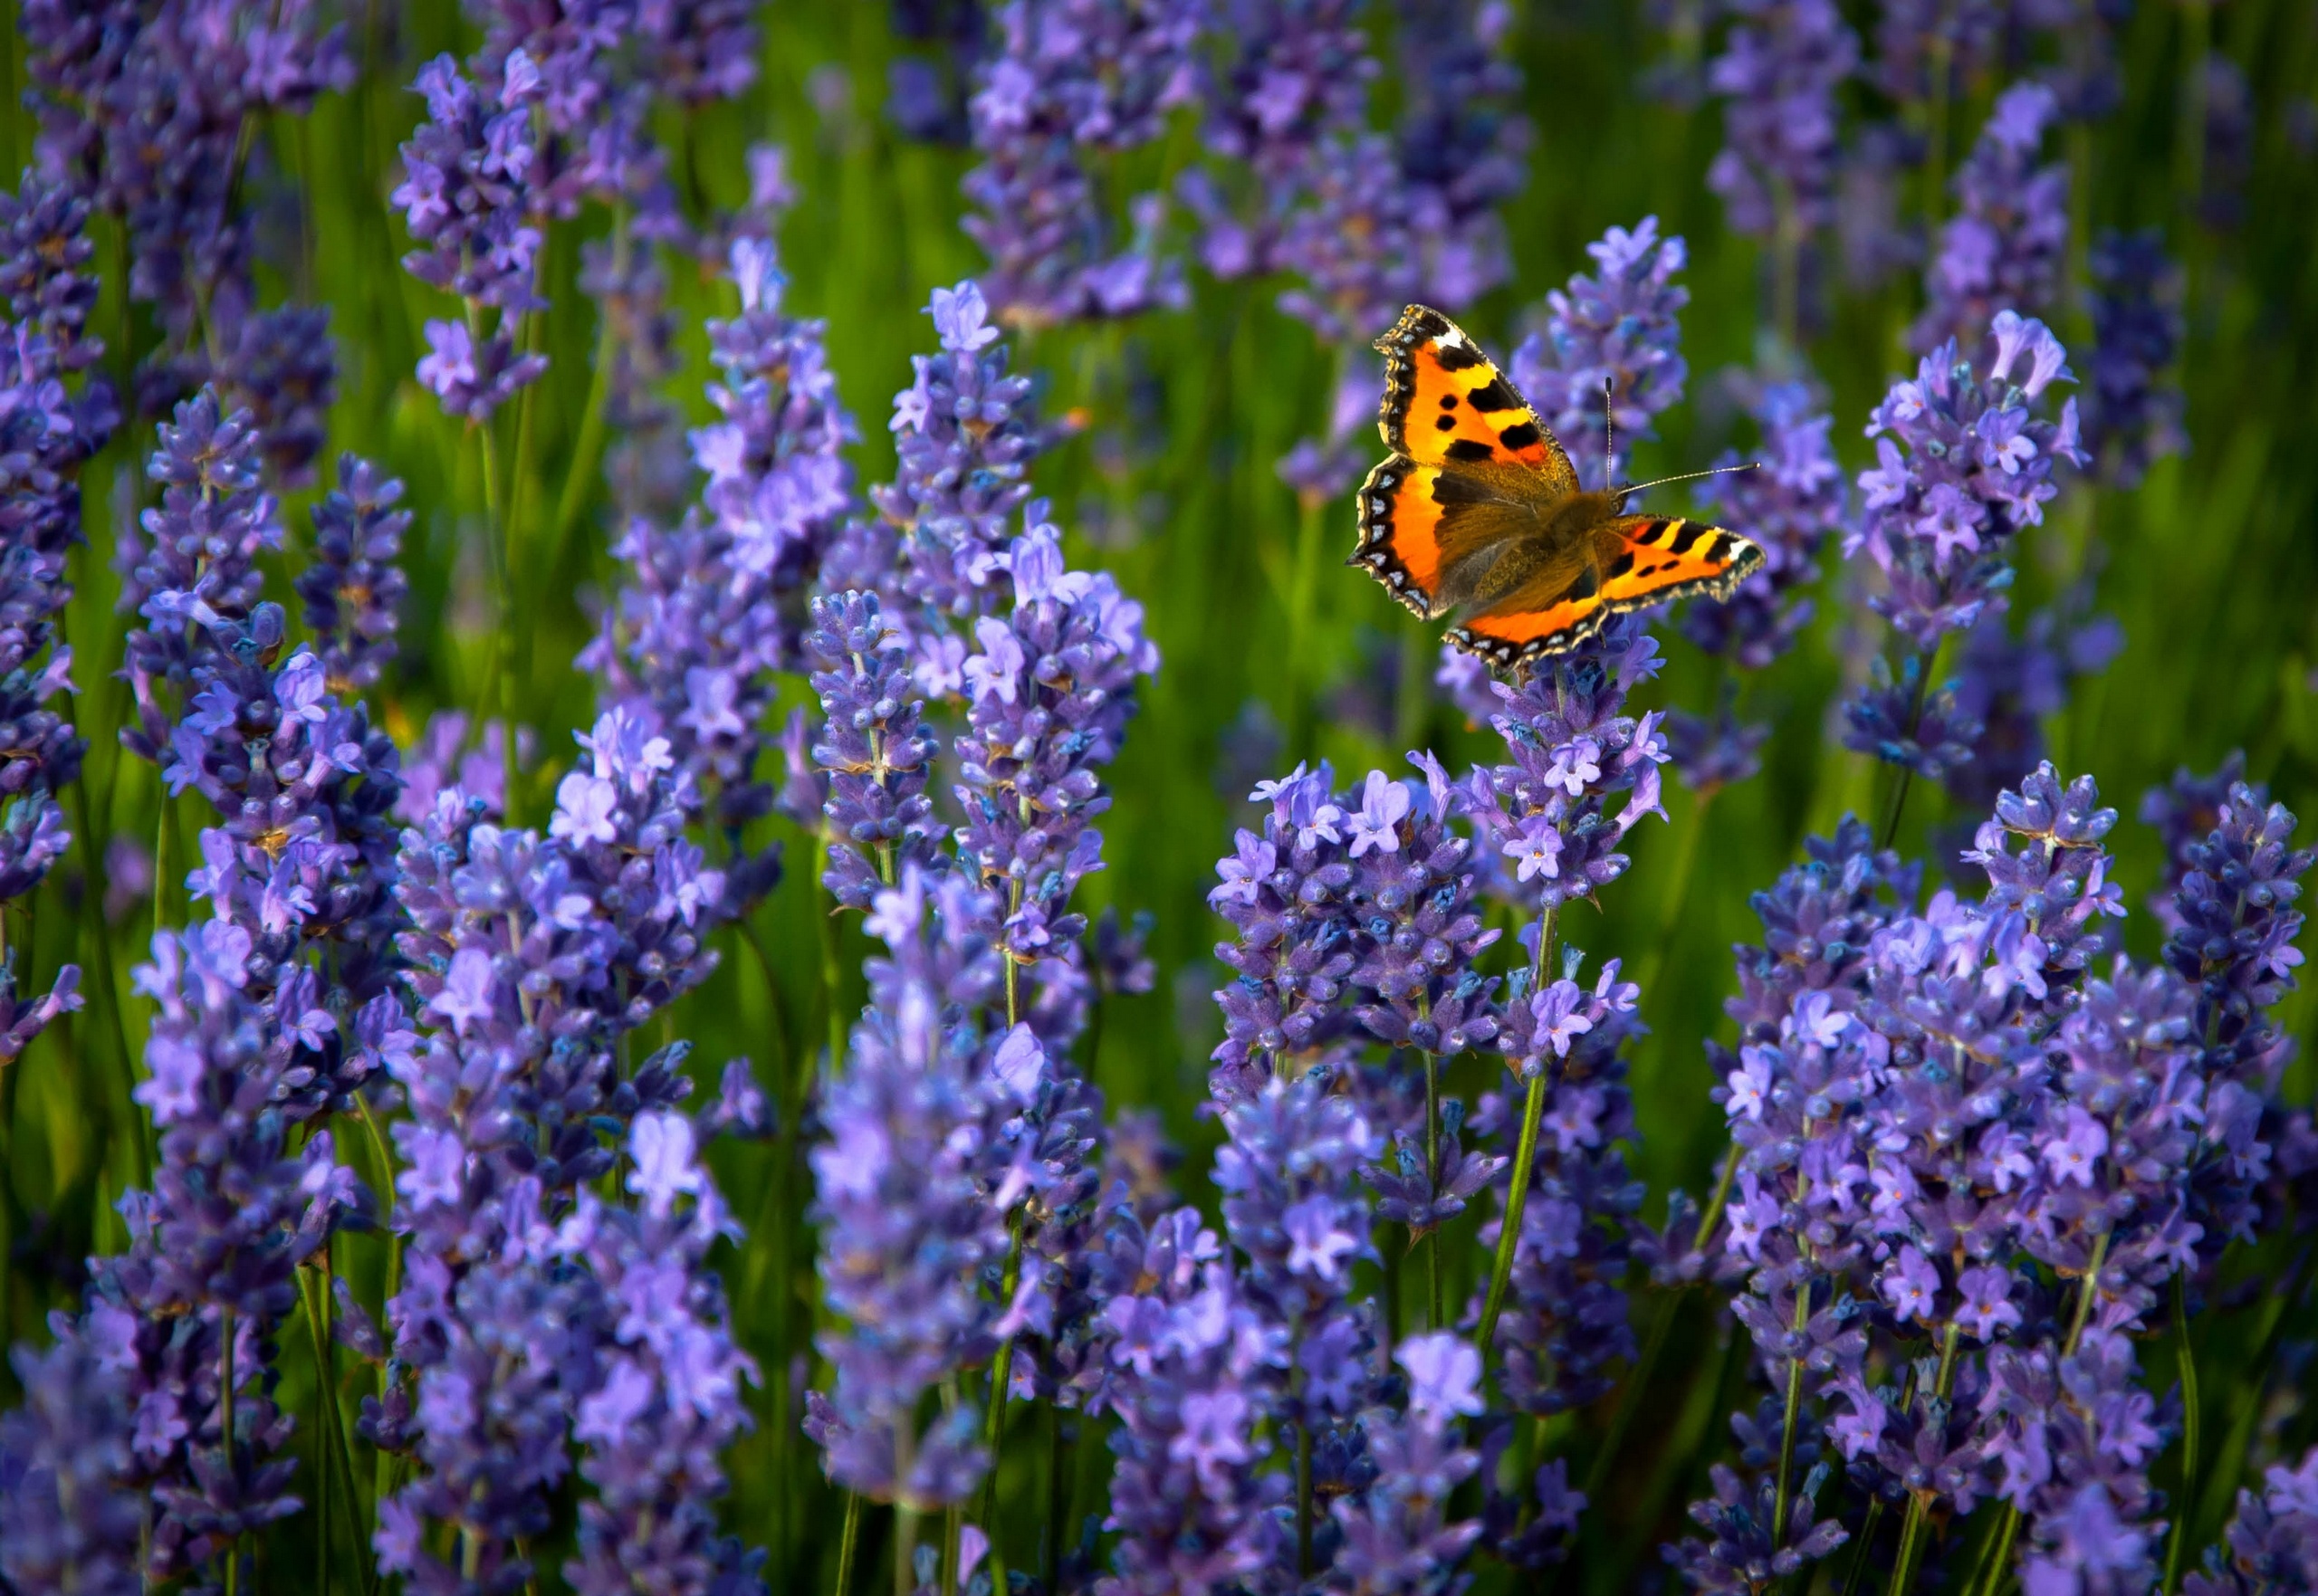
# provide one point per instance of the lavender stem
(1525, 1155)
(848, 1541)
(1912, 1533)
(2188, 1358)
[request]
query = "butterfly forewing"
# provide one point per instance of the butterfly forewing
(1465, 446)
(1447, 404)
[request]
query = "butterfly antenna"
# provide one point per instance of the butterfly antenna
(1609, 429)
(1690, 476)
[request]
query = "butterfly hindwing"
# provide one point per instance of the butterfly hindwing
(1507, 635)
(1649, 559)
(1639, 561)
(1446, 404)
(1400, 531)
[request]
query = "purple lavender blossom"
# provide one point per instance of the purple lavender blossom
(145, 113)
(1618, 328)
(1074, 81)
(1565, 1322)
(69, 1518)
(1789, 507)
(1292, 1205)
(2005, 686)
(2232, 928)
(874, 750)
(301, 783)
(212, 1250)
(1544, 818)
(46, 433)
(467, 197)
(43, 247)
(1780, 69)
(1194, 1506)
(530, 957)
(1050, 688)
(2003, 249)
(1917, 41)
(965, 433)
(1968, 1134)
(713, 606)
(669, 1399)
(2133, 411)
(906, 1229)
(1296, 84)
(1286, 889)
(1939, 519)
(354, 589)
(1396, 1533)
(1462, 143)
(2271, 1543)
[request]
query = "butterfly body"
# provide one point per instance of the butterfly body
(1478, 512)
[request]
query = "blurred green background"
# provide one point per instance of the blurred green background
(2211, 566)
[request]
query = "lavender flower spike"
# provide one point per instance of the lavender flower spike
(2003, 249)
(907, 1230)
(1979, 466)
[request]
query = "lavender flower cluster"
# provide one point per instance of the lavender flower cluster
(1938, 521)
(47, 429)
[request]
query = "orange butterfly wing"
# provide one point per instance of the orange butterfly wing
(1447, 404)
(1640, 561)
(1447, 408)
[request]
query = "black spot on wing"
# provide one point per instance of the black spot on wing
(1521, 435)
(1717, 551)
(1690, 533)
(1447, 424)
(1457, 357)
(1466, 449)
(1448, 401)
(1449, 487)
(1493, 395)
(1621, 565)
(1588, 583)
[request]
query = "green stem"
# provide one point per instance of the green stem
(1302, 581)
(1432, 1181)
(1059, 1462)
(1786, 266)
(1867, 1529)
(2010, 1528)
(1721, 1198)
(1904, 1567)
(1792, 1423)
(1509, 1231)
(336, 1451)
(1525, 1157)
(848, 1541)
(825, 924)
(1678, 891)
(1002, 1374)
(2187, 1357)
(1630, 1400)
(2000, 1551)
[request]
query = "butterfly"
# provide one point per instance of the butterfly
(1478, 510)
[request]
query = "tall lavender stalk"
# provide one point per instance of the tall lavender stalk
(1072, 83)
(47, 431)
(1046, 662)
(1938, 521)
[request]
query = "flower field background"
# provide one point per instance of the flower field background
(817, 857)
